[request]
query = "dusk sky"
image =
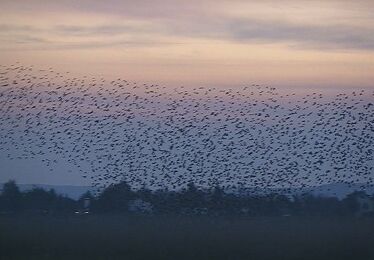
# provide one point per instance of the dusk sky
(300, 44)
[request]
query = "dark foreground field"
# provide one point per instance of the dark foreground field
(95, 237)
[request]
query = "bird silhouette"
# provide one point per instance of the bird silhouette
(250, 138)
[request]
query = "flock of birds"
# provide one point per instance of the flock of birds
(250, 138)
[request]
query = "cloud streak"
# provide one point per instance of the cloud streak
(148, 21)
(303, 35)
(236, 30)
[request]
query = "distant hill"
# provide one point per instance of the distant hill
(338, 190)
(70, 191)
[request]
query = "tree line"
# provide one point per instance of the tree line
(122, 199)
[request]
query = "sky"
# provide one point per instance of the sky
(298, 44)
(287, 44)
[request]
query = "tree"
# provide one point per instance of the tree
(350, 203)
(217, 200)
(11, 197)
(114, 199)
(192, 197)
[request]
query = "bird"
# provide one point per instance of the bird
(246, 138)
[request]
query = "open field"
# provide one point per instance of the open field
(119, 237)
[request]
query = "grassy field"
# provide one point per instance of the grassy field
(118, 237)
